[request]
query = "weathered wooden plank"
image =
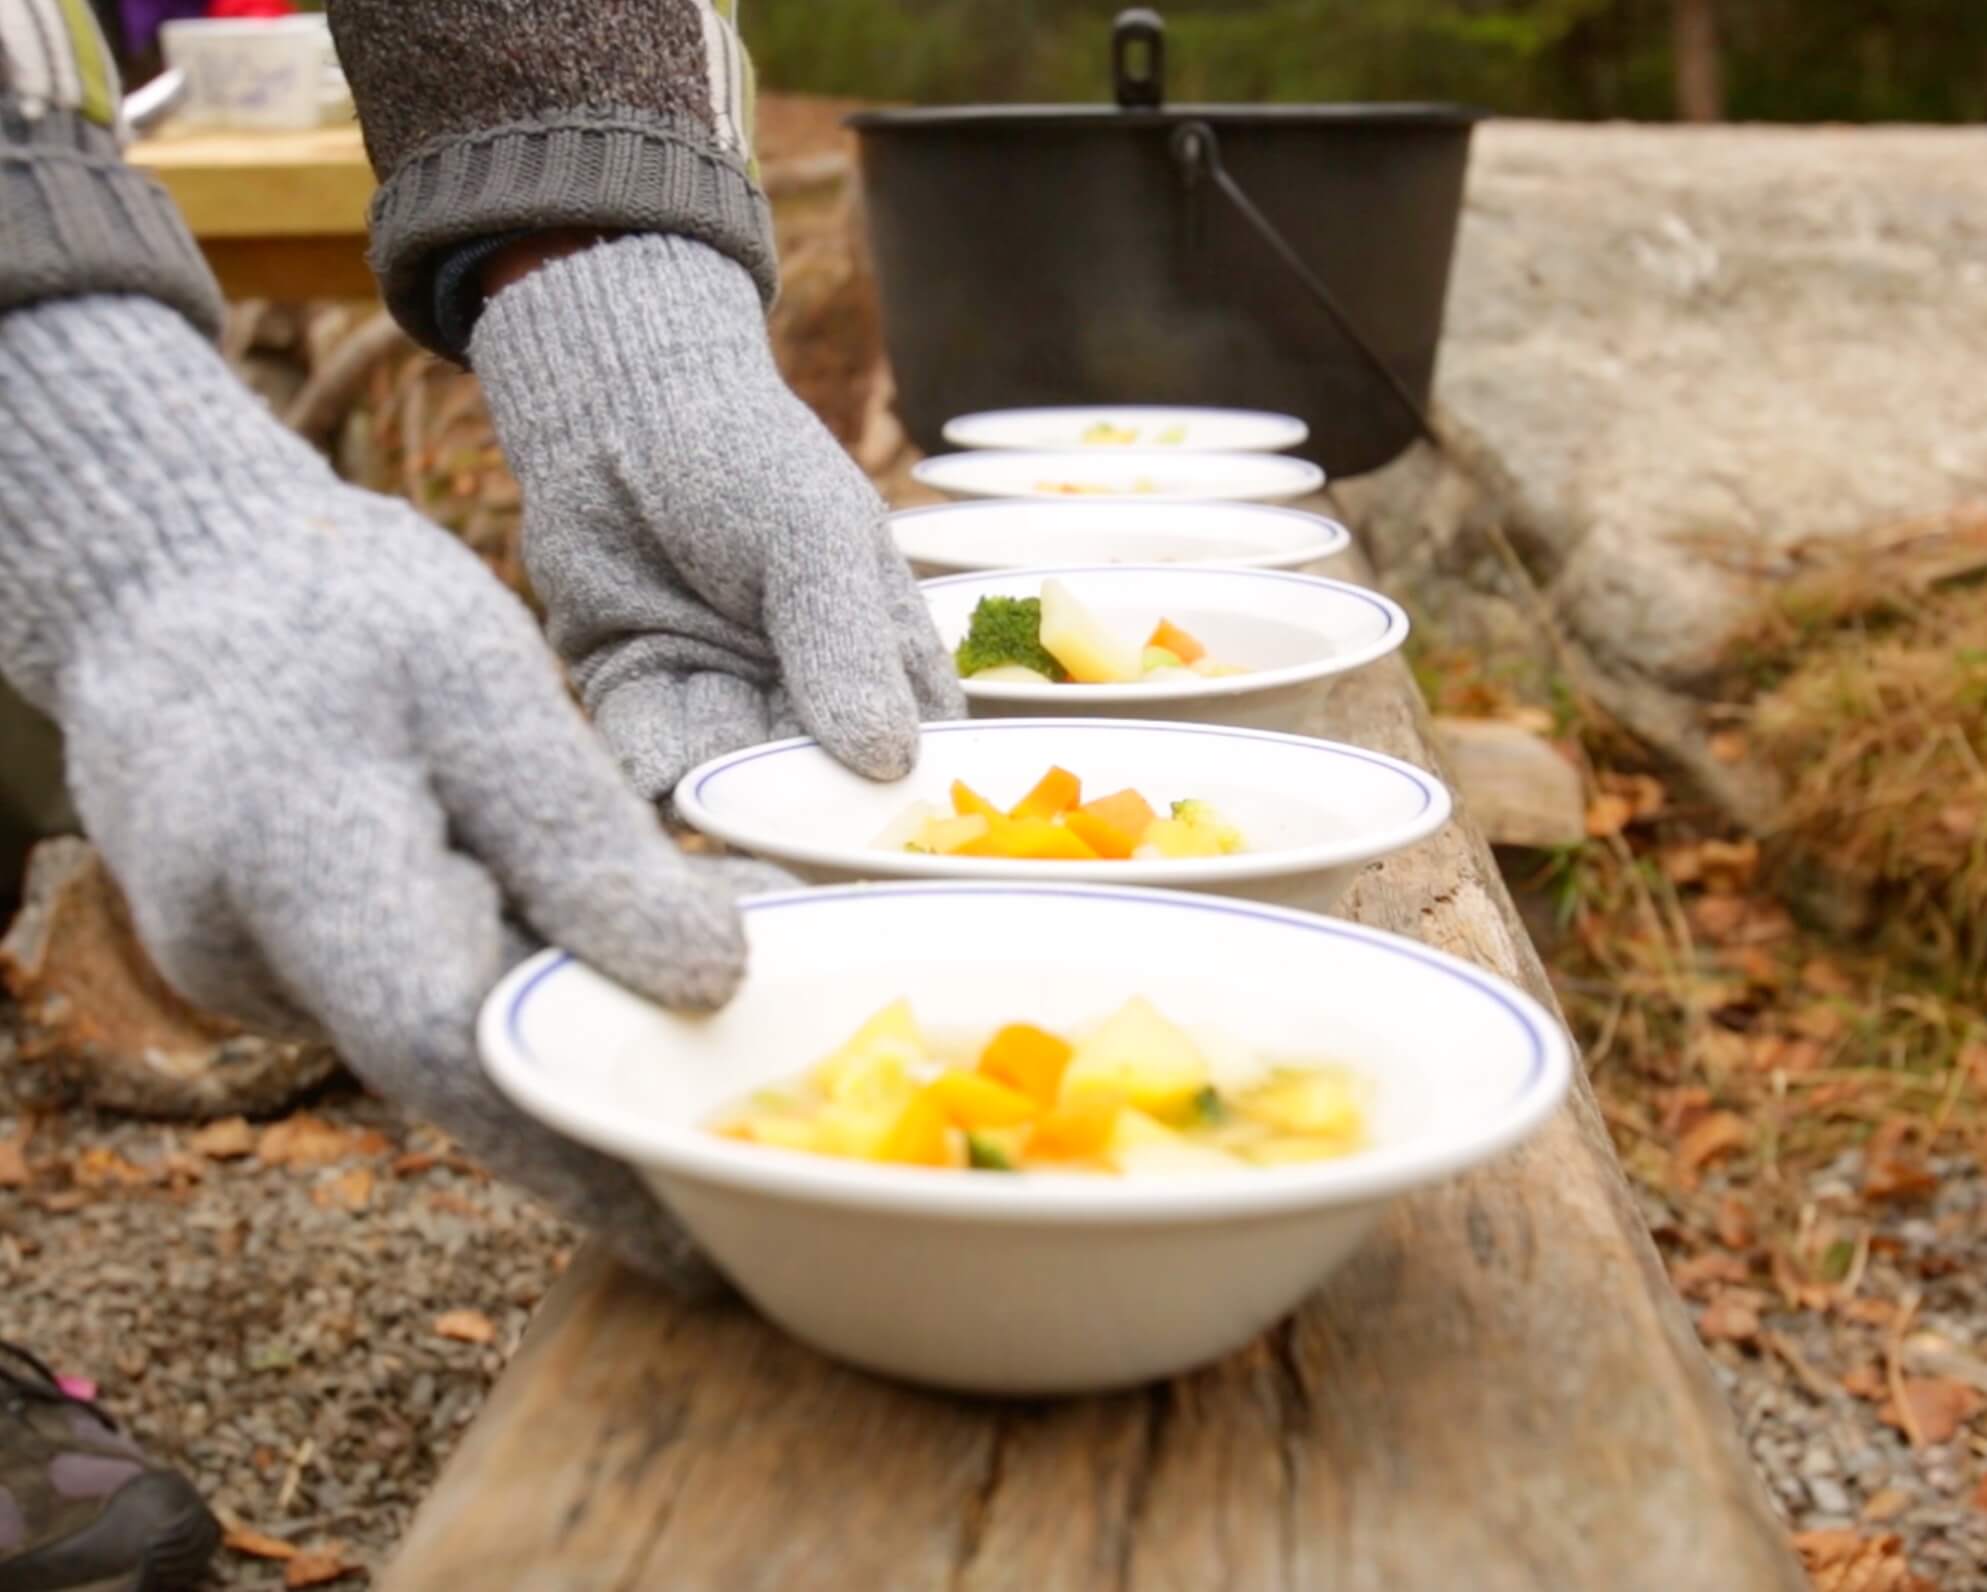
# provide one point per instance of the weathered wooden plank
(1499, 1392)
(313, 183)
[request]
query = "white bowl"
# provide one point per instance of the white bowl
(1133, 475)
(1313, 812)
(1038, 1283)
(995, 533)
(1295, 634)
(1197, 430)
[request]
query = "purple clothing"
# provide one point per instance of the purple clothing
(141, 19)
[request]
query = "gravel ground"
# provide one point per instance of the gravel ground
(1814, 1388)
(272, 1327)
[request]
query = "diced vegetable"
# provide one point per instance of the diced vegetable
(951, 837)
(901, 833)
(1031, 1059)
(921, 1136)
(966, 802)
(972, 1101)
(1016, 674)
(1114, 825)
(1134, 1098)
(1079, 1129)
(1056, 792)
(1004, 632)
(1038, 840)
(1140, 1056)
(1081, 642)
(1159, 658)
(1184, 647)
(988, 1152)
(1175, 840)
(1202, 816)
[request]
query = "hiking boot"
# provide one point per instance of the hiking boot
(81, 1509)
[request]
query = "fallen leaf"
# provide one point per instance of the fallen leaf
(415, 1162)
(1685, 1105)
(1701, 1275)
(1962, 820)
(1895, 1178)
(1608, 814)
(1825, 977)
(14, 1160)
(1718, 1134)
(1728, 746)
(1980, 1494)
(1681, 864)
(1643, 792)
(102, 1167)
(1973, 1061)
(1821, 1020)
(455, 1204)
(1871, 1312)
(1867, 1381)
(465, 1326)
(1842, 1561)
(1887, 1504)
(1731, 1317)
(319, 1566)
(1734, 1227)
(257, 1544)
(1940, 1405)
(351, 1190)
(1728, 864)
(307, 1141)
(227, 1140)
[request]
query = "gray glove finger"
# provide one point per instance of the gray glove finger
(663, 725)
(582, 858)
(933, 672)
(843, 669)
(403, 945)
(740, 877)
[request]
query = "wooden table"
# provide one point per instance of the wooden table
(278, 215)
(1500, 1392)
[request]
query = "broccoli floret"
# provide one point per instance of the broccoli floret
(1202, 816)
(1007, 630)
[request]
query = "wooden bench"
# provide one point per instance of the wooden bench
(1500, 1392)
(278, 215)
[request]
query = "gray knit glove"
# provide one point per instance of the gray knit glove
(716, 569)
(319, 746)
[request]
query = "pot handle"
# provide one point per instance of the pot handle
(1144, 89)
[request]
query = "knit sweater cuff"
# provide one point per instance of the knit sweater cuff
(75, 220)
(632, 173)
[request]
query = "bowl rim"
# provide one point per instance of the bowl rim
(1293, 430)
(1259, 680)
(1303, 476)
(1332, 536)
(693, 1153)
(1204, 872)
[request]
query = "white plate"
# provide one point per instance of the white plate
(1296, 634)
(1313, 812)
(1038, 1283)
(1184, 430)
(1136, 476)
(954, 538)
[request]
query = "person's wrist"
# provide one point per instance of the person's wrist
(518, 257)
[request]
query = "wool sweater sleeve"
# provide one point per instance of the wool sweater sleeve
(74, 219)
(491, 118)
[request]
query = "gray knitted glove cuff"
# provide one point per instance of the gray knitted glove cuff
(74, 219)
(112, 495)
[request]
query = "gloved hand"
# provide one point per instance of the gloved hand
(318, 744)
(716, 569)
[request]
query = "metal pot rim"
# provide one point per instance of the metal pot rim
(1032, 117)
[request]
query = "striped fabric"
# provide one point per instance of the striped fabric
(53, 57)
(731, 80)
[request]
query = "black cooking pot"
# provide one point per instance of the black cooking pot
(1289, 257)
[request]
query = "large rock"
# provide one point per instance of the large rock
(99, 1021)
(1673, 355)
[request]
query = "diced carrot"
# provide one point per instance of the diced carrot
(1057, 792)
(1031, 1059)
(972, 1101)
(921, 1136)
(1180, 643)
(1038, 840)
(1112, 826)
(1077, 1129)
(966, 801)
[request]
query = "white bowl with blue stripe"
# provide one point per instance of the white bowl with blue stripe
(1041, 1283)
(1313, 813)
(1296, 635)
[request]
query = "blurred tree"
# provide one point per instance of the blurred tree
(1791, 60)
